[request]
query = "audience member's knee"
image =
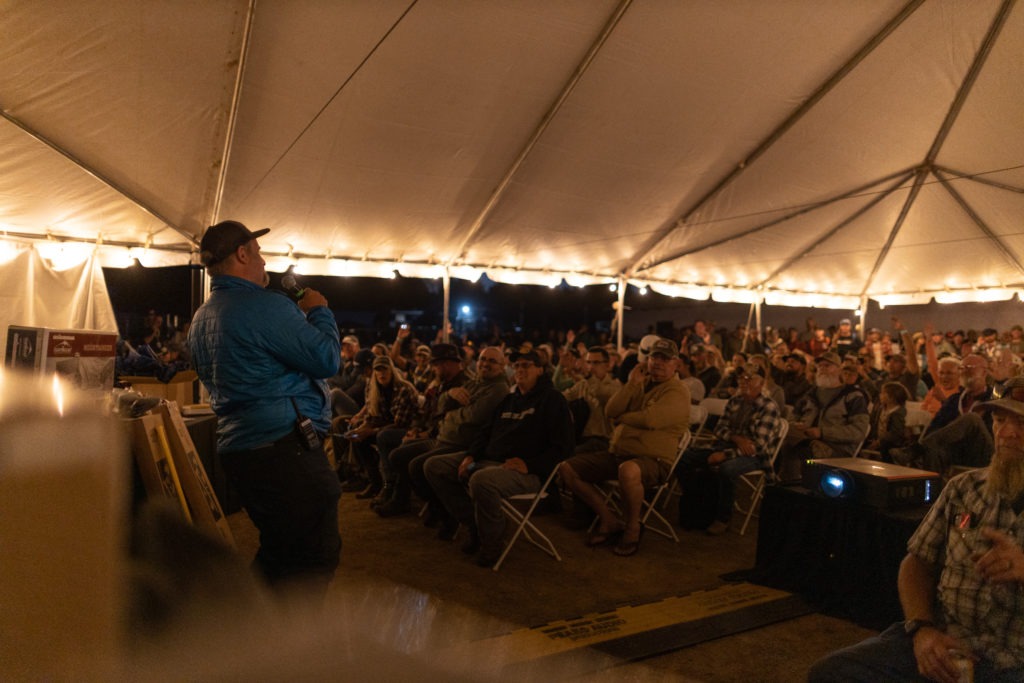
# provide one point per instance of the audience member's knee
(629, 472)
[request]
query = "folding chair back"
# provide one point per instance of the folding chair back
(917, 422)
(651, 498)
(758, 479)
(524, 526)
(698, 417)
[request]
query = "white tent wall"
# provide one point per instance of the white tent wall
(800, 151)
(65, 296)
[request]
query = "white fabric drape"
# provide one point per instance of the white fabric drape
(36, 294)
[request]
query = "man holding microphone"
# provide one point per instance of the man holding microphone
(264, 361)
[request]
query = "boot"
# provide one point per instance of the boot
(398, 504)
(384, 497)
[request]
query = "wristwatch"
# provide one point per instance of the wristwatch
(912, 626)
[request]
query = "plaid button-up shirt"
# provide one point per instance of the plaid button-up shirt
(988, 616)
(761, 425)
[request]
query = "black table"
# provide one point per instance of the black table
(841, 557)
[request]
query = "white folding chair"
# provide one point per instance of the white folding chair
(698, 416)
(648, 508)
(758, 479)
(524, 526)
(917, 421)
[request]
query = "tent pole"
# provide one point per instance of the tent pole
(746, 329)
(863, 317)
(446, 280)
(620, 313)
(757, 313)
(236, 96)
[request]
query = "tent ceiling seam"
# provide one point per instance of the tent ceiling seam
(976, 177)
(909, 202)
(842, 224)
(969, 80)
(39, 137)
(330, 100)
(903, 174)
(549, 116)
(982, 225)
(831, 82)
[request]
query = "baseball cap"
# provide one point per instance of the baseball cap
(645, 346)
(530, 355)
(664, 347)
(797, 357)
(350, 339)
(845, 321)
(381, 362)
(829, 357)
(440, 352)
(364, 358)
(748, 369)
(221, 240)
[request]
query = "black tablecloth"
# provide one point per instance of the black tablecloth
(841, 557)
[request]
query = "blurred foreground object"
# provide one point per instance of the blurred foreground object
(63, 501)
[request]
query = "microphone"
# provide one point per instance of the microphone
(289, 283)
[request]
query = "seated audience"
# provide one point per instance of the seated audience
(420, 437)
(889, 421)
(744, 438)
(596, 388)
(530, 433)
(956, 435)
(649, 413)
(391, 404)
(830, 421)
(945, 373)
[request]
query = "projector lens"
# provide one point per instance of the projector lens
(835, 484)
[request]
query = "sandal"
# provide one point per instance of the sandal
(628, 548)
(599, 538)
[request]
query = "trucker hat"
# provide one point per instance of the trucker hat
(221, 241)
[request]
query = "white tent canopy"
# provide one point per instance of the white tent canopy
(802, 152)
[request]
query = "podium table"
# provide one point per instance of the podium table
(841, 557)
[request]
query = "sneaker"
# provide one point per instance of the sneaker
(717, 528)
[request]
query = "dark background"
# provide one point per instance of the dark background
(373, 307)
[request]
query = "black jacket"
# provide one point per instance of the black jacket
(535, 427)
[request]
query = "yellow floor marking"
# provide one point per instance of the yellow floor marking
(569, 634)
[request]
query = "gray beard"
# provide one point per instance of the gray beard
(827, 382)
(1006, 473)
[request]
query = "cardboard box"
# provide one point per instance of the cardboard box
(83, 358)
(179, 389)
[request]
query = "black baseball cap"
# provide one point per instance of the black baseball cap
(221, 241)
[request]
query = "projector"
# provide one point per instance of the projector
(871, 483)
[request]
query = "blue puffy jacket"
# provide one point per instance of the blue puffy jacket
(255, 350)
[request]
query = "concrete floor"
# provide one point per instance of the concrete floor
(416, 597)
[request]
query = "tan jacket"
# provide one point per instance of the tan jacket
(596, 392)
(649, 423)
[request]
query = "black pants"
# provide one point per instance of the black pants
(291, 495)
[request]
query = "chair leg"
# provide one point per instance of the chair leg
(755, 501)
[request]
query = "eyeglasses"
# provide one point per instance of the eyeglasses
(524, 365)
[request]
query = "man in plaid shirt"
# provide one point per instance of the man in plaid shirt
(961, 584)
(745, 436)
